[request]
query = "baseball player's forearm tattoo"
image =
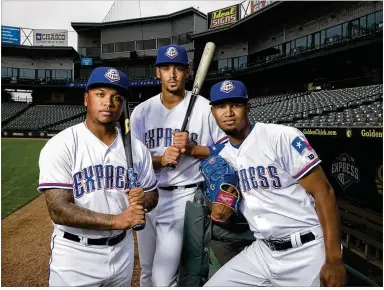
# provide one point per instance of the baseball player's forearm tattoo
(63, 211)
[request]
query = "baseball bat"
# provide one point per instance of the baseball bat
(201, 73)
(126, 134)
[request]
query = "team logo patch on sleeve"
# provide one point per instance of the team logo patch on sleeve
(300, 144)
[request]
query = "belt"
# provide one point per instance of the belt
(111, 241)
(179, 187)
(276, 245)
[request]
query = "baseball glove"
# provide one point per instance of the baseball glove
(222, 187)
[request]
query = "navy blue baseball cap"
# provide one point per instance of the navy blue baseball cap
(108, 76)
(228, 90)
(172, 54)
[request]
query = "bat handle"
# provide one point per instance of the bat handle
(132, 184)
(173, 166)
(138, 227)
(170, 166)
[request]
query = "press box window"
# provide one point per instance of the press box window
(222, 63)
(61, 74)
(163, 41)
(108, 48)
(242, 61)
(7, 72)
(183, 39)
(125, 46)
(146, 44)
(379, 18)
(41, 73)
(27, 73)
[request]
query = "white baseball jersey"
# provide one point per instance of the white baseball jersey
(269, 163)
(152, 123)
(76, 159)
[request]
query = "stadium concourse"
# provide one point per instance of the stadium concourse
(317, 68)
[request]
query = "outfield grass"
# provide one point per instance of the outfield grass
(19, 173)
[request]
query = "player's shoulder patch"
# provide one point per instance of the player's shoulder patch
(300, 144)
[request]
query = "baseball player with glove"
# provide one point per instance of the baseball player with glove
(221, 187)
(157, 122)
(83, 175)
(286, 199)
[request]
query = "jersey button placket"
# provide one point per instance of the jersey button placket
(106, 161)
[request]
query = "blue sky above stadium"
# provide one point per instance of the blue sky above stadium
(59, 14)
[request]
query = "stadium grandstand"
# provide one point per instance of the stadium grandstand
(316, 66)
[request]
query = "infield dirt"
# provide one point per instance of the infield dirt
(25, 247)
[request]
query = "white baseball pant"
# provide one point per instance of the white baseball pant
(76, 264)
(160, 243)
(258, 265)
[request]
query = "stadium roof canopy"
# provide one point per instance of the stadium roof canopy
(38, 51)
(78, 26)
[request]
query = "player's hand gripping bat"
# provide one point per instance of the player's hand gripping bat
(126, 134)
(199, 80)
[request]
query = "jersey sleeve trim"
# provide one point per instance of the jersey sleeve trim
(307, 168)
(151, 188)
(54, 185)
(222, 140)
(216, 149)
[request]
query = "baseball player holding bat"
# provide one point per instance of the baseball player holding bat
(157, 122)
(90, 194)
(286, 199)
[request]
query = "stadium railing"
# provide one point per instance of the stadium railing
(267, 60)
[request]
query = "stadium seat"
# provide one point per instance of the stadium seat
(40, 116)
(340, 107)
(8, 110)
(63, 126)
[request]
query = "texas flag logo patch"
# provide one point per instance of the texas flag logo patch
(300, 144)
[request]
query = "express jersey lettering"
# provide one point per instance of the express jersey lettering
(269, 163)
(153, 124)
(77, 160)
(163, 137)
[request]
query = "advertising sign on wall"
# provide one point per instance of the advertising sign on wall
(10, 35)
(50, 37)
(257, 5)
(224, 16)
(86, 61)
(352, 159)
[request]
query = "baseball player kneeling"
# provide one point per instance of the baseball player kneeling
(286, 199)
(83, 175)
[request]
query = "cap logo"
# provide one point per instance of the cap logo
(171, 52)
(112, 75)
(227, 86)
